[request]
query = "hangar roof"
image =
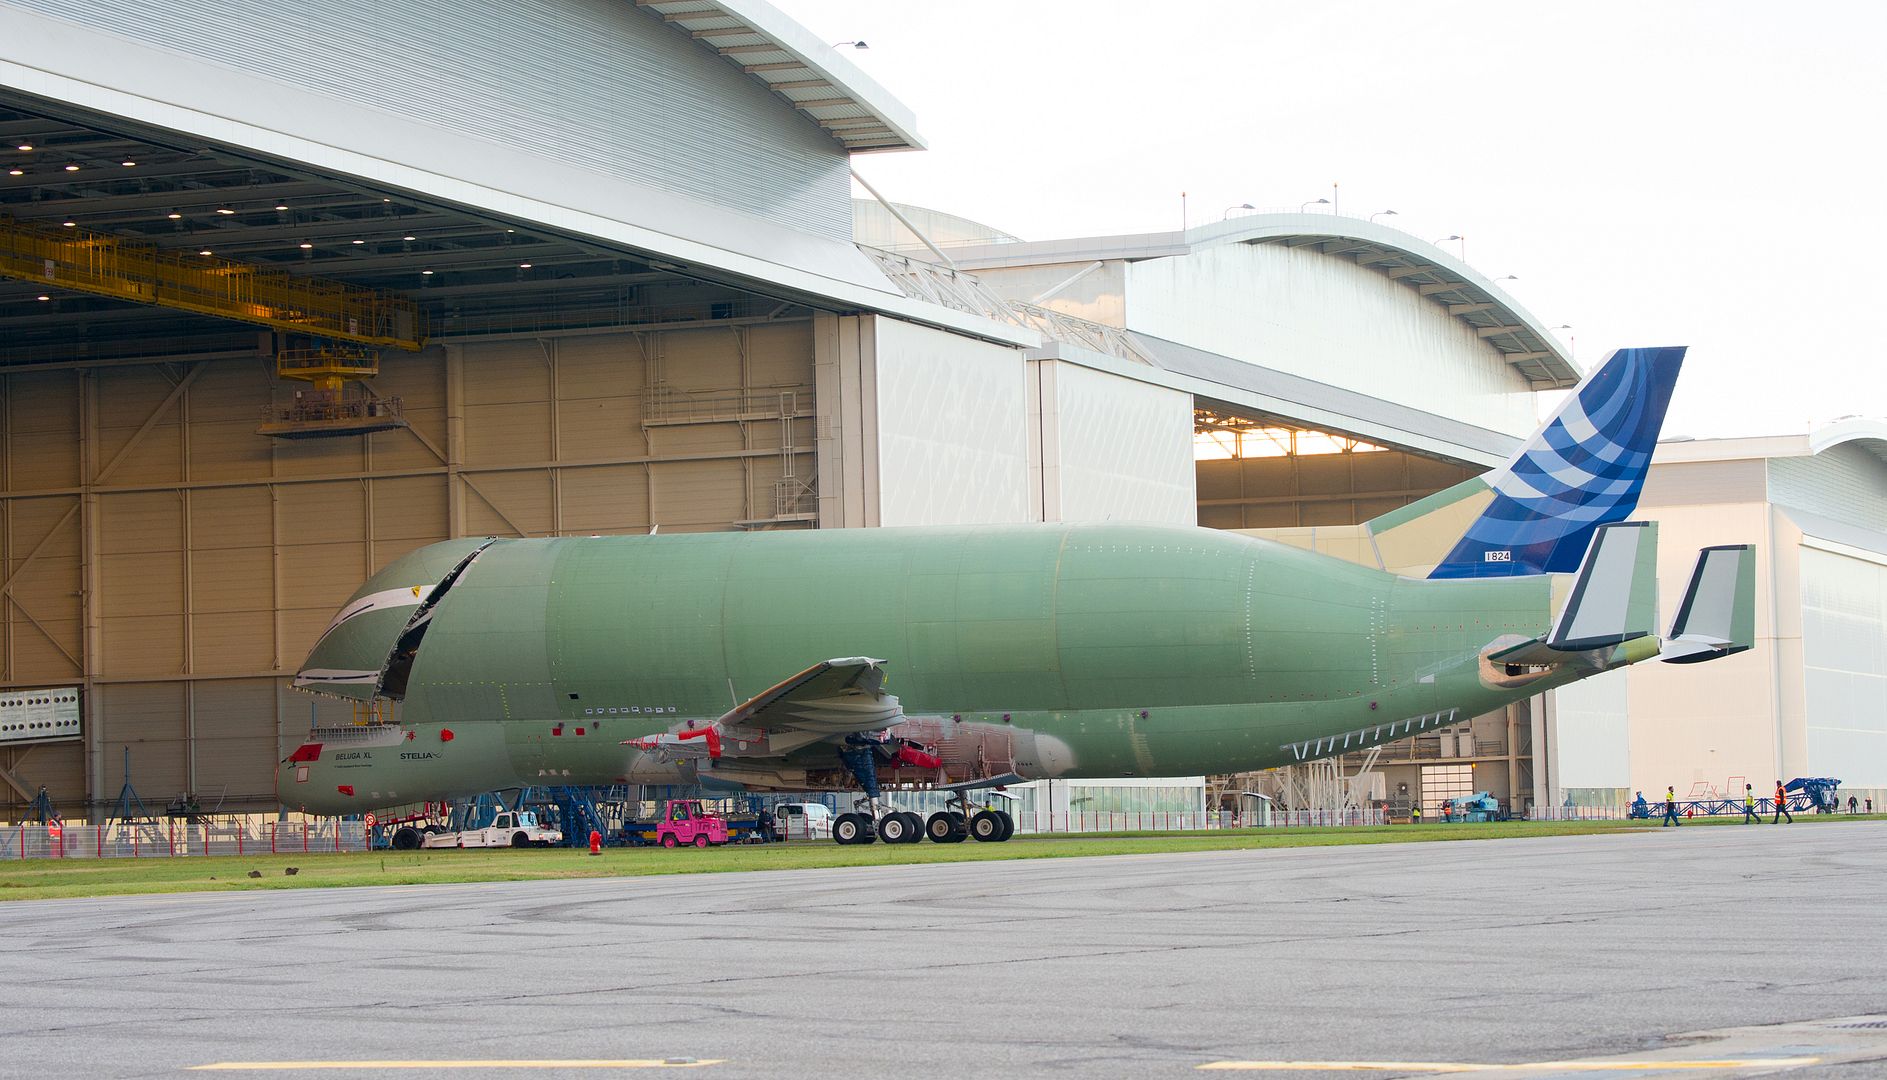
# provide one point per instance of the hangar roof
(788, 59)
(1438, 276)
(1869, 433)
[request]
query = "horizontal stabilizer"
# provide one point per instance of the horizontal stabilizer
(1718, 615)
(1615, 597)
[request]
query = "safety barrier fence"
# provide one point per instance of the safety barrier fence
(179, 838)
(1187, 821)
(1576, 813)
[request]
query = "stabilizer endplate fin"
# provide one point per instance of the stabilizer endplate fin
(1615, 597)
(1613, 600)
(1717, 617)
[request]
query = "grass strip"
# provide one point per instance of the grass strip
(38, 879)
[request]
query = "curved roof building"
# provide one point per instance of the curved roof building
(1337, 321)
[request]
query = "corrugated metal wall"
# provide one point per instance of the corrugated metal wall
(218, 555)
(1317, 489)
(1845, 482)
(596, 83)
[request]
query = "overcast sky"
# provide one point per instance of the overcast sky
(1705, 173)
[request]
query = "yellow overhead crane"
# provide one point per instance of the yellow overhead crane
(326, 409)
(73, 258)
(363, 318)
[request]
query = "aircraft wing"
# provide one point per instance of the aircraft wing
(835, 697)
(832, 697)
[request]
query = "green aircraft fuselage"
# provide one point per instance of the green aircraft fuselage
(1032, 650)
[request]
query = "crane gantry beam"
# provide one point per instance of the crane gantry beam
(104, 265)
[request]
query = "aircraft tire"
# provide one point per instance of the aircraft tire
(893, 828)
(1008, 825)
(405, 838)
(914, 827)
(986, 827)
(942, 828)
(848, 829)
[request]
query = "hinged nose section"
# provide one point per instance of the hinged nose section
(372, 631)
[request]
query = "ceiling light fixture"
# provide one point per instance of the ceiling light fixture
(408, 238)
(360, 241)
(426, 273)
(26, 146)
(224, 210)
(42, 297)
(72, 168)
(16, 172)
(127, 164)
(307, 247)
(281, 206)
(524, 266)
(70, 224)
(174, 216)
(205, 251)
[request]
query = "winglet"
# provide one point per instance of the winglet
(1718, 615)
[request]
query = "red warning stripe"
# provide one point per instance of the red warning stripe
(308, 751)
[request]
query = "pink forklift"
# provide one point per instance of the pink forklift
(685, 821)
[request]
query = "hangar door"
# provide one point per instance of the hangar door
(177, 566)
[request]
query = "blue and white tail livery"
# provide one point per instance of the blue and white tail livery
(1584, 468)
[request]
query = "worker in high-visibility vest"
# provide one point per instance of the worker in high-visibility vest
(1782, 805)
(1749, 805)
(1415, 813)
(1670, 806)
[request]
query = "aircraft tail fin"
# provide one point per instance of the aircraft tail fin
(1718, 615)
(1582, 469)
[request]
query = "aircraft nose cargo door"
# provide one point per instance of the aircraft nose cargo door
(366, 635)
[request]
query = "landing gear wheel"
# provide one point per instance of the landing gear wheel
(942, 829)
(853, 829)
(913, 827)
(1008, 825)
(668, 840)
(986, 827)
(894, 828)
(405, 838)
(702, 840)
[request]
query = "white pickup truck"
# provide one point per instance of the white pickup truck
(510, 828)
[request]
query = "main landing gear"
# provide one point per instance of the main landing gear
(952, 826)
(866, 822)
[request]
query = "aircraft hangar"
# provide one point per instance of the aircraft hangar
(274, 313)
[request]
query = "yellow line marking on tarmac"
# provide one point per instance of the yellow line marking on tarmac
(569, 1063)
(1527, 1066)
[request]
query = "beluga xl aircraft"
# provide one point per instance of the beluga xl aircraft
(768, 661)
